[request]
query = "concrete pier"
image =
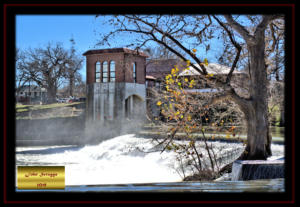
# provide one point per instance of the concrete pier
(257, 169)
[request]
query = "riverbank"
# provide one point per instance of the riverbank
(208, 136)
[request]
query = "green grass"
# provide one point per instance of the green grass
(19, 106)
(23, 108)
(275, 115)
(49, 117)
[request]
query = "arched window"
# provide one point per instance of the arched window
(98, 72)
(134, 72)
(105, 72)
(112, 70)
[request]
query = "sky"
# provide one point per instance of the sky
(34, 31)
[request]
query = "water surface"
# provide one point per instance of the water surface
(121, 160)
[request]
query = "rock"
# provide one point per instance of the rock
(224, 177)
(200, 176)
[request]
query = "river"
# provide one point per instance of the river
(120, 160)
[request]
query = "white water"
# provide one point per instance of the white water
(119, 160)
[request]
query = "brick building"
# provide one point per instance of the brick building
(119, 81)
(115, 84)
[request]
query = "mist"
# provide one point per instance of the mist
(73, 130)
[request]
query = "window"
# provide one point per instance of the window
(112, 71)
(134, 72)
(105, 72)
(98, 72)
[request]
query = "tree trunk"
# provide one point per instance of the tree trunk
(258, 134)
(51, 94)
(71, 82)
(282, 121)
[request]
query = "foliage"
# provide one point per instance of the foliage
(187, 113)
(243, 36)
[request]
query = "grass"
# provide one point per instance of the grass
(24, 108)
(50, 117)
(20, 106)
(275, 114)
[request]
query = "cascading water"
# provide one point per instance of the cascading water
(120, 160)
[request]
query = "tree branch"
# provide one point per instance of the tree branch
(237, 47)
(264, 23)
(240, 29)
(203, 72)
(230, 94)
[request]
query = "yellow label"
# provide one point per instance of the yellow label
(41, 177)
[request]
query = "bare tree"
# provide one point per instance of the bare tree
(79, 86)
(22, 75)
(47, 67)
(275, 50)
(74, 67)
(159, 53)
(173, 31)
(274, 60)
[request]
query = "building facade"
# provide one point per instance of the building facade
(120, 81)
(31, 93)
(115, 84)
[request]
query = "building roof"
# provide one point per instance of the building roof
(115, 50)
(212, 68)
(149, 77)
(202, 90)
(32, 88)
(161, 66)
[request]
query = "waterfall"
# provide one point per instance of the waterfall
(120, 160)
(236, 170)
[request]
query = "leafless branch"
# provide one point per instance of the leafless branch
(240, 29)
(236, 45)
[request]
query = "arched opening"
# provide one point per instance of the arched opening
(112, 71)
(134, 72)
(134, 107)
(105, 72)
(98, 72)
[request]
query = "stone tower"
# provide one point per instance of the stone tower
(115, 80)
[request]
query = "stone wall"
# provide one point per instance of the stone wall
(106, 101)
(67, 130)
